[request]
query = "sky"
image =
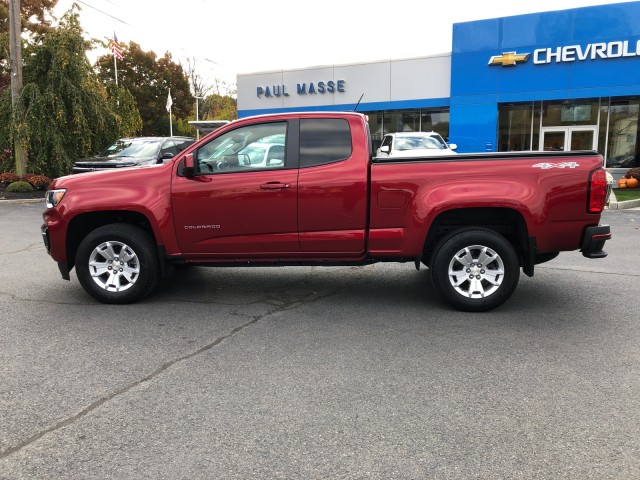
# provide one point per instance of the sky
(247, 36)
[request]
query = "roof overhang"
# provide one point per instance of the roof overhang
(207, 126)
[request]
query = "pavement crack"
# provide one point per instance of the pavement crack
(28, 248)
(14, 297)
(588, 270)
(98, 403)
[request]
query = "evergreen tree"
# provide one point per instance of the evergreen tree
(67, 110)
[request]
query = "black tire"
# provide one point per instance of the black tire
(482, 277)
(127, 248)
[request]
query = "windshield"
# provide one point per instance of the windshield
(413, 143)
(138, 148)
(439, 139)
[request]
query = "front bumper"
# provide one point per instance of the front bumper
(44, 230)
(62, 266)
(593, 241)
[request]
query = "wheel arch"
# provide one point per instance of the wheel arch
(81, 225)
(507, 222)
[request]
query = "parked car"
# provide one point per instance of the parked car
(264, 154)
(414, 144)
(134, 152)
(240, 151)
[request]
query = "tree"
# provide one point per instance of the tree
(199, 86)
(36, 18)
(219, 107)
(149, 80)
(123, 106)
(67, 113)
(36, 15)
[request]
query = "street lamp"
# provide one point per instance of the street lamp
(197, 117)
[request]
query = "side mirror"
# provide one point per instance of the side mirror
(453, 146)
(385, 149)
(166, 156)
(188, 170)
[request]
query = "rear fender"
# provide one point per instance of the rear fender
(508, 222)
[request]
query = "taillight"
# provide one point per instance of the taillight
(597, 191)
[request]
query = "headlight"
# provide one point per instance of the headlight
(54, 197)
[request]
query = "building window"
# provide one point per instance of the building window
(550, 125)
(415, 120)
(622, 137)
(570, 113)
(515, 122)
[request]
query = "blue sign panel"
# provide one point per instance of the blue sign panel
(580, 53)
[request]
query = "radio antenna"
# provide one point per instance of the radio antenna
(356, 107)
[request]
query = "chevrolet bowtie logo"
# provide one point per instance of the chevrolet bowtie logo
(509, 59)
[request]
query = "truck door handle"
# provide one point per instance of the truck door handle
(274, 186)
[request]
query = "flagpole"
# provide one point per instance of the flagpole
(170, 119)
(115, 66)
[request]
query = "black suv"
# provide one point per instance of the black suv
(133, 152)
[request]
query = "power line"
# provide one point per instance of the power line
(104, 13)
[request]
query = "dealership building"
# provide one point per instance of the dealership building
(560, 80)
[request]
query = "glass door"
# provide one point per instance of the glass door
(583, 139)
(553, 139)
(559, 139)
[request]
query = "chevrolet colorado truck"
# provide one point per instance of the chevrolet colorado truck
(323, 198)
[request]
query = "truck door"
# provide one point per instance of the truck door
(241, 201)
(332, 186)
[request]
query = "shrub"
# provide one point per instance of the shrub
(7, 178)
(19, 186)
(633, 173)
(39, 182)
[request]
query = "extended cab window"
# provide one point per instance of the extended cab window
(324, 140)
(244, 149)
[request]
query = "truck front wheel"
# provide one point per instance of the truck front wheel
(475, 270)
(117, 263)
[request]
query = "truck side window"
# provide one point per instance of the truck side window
(244, 149)
(324, 140)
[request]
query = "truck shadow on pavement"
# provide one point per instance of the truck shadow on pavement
(377, 287)
(397, 286)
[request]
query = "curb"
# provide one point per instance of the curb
(624, 205)
(21, 201)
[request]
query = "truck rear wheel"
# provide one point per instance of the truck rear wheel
(475, 270)
(117, 263)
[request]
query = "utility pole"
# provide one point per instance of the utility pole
(15, 57)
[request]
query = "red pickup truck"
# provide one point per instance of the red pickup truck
(305, 189)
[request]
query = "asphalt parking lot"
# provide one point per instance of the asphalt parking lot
(353, 372)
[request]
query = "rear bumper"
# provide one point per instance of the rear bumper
(593, 241)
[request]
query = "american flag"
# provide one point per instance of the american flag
(115, 47)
